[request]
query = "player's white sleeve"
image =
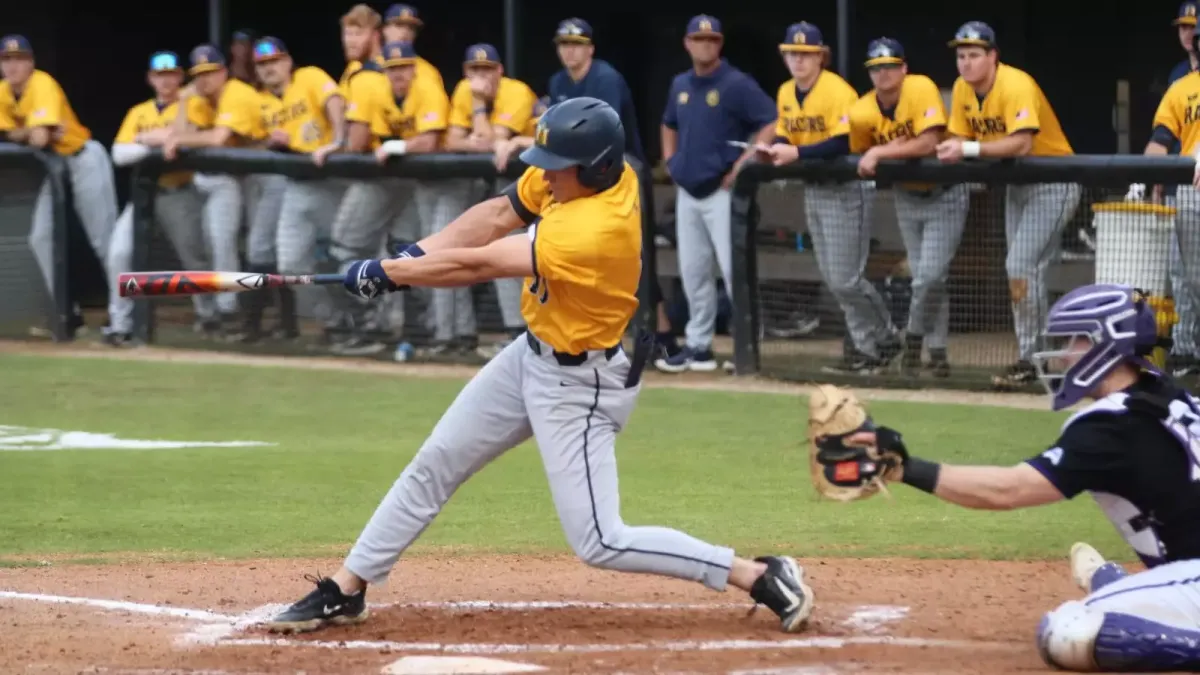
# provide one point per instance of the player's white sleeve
(124, 154)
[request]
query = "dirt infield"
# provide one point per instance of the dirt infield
(890, 615)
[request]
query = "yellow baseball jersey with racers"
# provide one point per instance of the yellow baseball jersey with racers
(1179, 112)
(243, 110)
(821, 114)
(587, 262)
(301, 111)
(918, 110)
(149, 115)
(1014, 103)
(512, 108)
(371, 102)
(43, 103)
(425, 70)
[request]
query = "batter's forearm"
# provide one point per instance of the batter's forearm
(478, 226)
(441, 269)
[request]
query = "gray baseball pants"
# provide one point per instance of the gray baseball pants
(703, 244)
(931, 227)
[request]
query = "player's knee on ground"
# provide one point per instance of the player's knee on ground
(1066, 636)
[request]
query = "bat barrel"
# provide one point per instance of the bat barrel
(140, 284)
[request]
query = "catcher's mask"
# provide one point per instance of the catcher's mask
(1089, 332)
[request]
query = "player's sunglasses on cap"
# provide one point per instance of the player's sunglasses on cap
(206, 59)
(573, 31)
(704, 26)
(269, 49)
(165, 62)
(482, 54)
(974, 34)
(883, 53)
(15, 45)
(1187, 14)
(397, 54)
(802, 37)
(405, 15)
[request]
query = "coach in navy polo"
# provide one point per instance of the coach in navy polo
(584, 75)
(708, 105)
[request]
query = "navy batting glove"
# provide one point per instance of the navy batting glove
(366, 279)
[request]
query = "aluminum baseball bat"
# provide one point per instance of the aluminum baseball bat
(137, 284)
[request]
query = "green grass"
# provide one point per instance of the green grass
(729, 468)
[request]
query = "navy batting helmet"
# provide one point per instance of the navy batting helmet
(583, 132)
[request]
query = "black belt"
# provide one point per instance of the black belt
(565, 359)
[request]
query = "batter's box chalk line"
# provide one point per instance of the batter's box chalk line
(216, 628)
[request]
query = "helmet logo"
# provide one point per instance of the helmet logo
(712, 98)
(543, 135)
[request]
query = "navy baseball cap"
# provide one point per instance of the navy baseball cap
(974, 34)
(399, 54)
(704, 26)
(165, 62)
(1187, 14)
(269, 49)
(405, 15)
(802, 37)
(884, 52)
(482, 54)
(205, 59)
(15, 45)
(575, 31)
(244, 35)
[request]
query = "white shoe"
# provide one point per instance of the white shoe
(1085, 560)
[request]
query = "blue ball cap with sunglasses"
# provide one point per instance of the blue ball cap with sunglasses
(269, 48)
(162, 62)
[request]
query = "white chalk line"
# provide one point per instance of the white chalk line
(673, 646)
(120, 606)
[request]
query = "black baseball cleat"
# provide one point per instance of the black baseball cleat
(782, 589)
(325, 605)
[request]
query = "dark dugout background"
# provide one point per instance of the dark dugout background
(1077, 50)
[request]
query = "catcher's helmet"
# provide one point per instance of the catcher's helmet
(582, 132)
(1115, 323)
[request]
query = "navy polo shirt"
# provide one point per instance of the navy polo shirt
(706, 112)
(602, 81)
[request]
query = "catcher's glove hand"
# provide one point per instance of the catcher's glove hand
(849, 457)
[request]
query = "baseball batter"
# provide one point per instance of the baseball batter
(311, 111)
(177, 203)
(1135, 446)
(569, 385)
(1000, 111)
(34, 111)
(239, 121)
(486, 110)
(902, 118)
(814, 121)
(391, 112)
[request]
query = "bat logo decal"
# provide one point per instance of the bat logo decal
(253, 282)
(131, 287)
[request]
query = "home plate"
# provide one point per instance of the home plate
(446, 665)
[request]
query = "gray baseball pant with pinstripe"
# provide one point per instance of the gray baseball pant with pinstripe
(226, 199)
(94, 195)
(931, 227)
(177, 214)
(839, 221)
(1187, 232)
(1183, 333)
(1034, 218)
(574, 413)
(306, 215)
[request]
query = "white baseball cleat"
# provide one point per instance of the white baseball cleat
(1085, 560)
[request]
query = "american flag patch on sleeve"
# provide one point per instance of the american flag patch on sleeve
(931, 112)
(1022, 114)
(430, 117)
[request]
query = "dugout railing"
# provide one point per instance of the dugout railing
(25, 302)
(786, 323)
(151, 252)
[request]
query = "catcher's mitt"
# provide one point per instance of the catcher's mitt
(848, 472)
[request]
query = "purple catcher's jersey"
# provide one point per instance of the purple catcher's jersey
(1138, 453)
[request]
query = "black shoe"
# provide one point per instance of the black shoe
(939, 363)
(1182, 365)
(1016, 376)
(325, 605)
(911, 363)
(288, 327)
(782, 589)
(888, 351)
(358, 345)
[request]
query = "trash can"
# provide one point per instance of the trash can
(1133, 247)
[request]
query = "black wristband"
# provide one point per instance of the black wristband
(921, 474)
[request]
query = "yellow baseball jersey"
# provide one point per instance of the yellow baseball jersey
(425, 70)
(1015, 103)
(43, 103)
(823, 113)
(512, 108)
(301, 110)
(1179, 112)
(587, 262)
(240, 108)
(367, 91)
(149, 115)
(424, 109)
(918, 110)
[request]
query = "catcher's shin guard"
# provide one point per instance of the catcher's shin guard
(1075, 637)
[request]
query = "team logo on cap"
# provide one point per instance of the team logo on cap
(542, 136)
(12, 46)
(481, 55)
(397, 53)
(406, 13)
(970, 33)
(705, 26)
(800, 38)
(571, 29)
(1189, 9)
(712, 98)
(881, 51)
(200, 57)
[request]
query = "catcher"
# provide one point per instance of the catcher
(1135, 447)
